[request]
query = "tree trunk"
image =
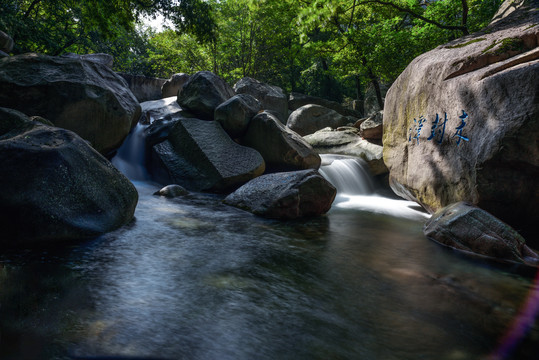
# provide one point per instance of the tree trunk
(360, 95)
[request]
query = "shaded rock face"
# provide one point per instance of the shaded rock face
(82, 96)
(144, 88)
(54, 187)
(202, 93)
(270, 97)
(348, 142)
(235, 114)
(172, 86)
(297, 100)
(281, 148)
(308, 119)
(465, 227)
(200, 156)
(486, 85)
(285, 195)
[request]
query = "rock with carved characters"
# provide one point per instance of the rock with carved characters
(461, 122)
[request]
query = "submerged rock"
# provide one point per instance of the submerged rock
(54, 187)
(286, 195)
(461, 122)
(202, 93)
(83, 96)
(465, 227)
(172, 191)
(281, 148)
(200, 155)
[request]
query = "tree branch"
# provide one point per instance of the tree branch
(463, 28)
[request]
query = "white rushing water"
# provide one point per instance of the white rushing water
(355, 189)
(130, 157)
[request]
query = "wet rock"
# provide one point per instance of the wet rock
(308, 119)
(281, 148)
(348, 142)
(172, 191)
(54, 187)
(465, 227)
(483, 149)
(270, 97)
(235, 113)
(286, 195)
(201, 156)
(82, 96)
(202, 93)
(172, 86)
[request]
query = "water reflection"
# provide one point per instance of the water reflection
(194, 279)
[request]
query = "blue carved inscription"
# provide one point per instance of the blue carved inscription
(437, 129)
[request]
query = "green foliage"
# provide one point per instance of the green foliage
(328, 48)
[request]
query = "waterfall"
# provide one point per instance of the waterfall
(130, 157)
(356, 190)
(348, 174)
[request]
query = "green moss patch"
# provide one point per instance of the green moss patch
(465, 44)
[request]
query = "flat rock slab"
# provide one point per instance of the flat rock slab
(286, 195)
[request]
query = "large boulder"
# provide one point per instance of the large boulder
(172, 86)
(79, 95)
(297, 100)
(203, 92)
(200, 156)
(144, 88)
(465, 227)
(285, 195)
(347, 141)
(308, 119)
(54, 187)
(281, 148)
(461, 122)
(271, 97)
(235, 114)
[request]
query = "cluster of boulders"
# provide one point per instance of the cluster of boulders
(225, 139)
(56, 184)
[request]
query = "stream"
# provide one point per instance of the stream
(192, 278)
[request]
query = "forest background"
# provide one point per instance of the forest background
(335, 49)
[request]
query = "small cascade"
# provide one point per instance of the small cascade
(356, 190)
(130, 157)
(348, 174)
